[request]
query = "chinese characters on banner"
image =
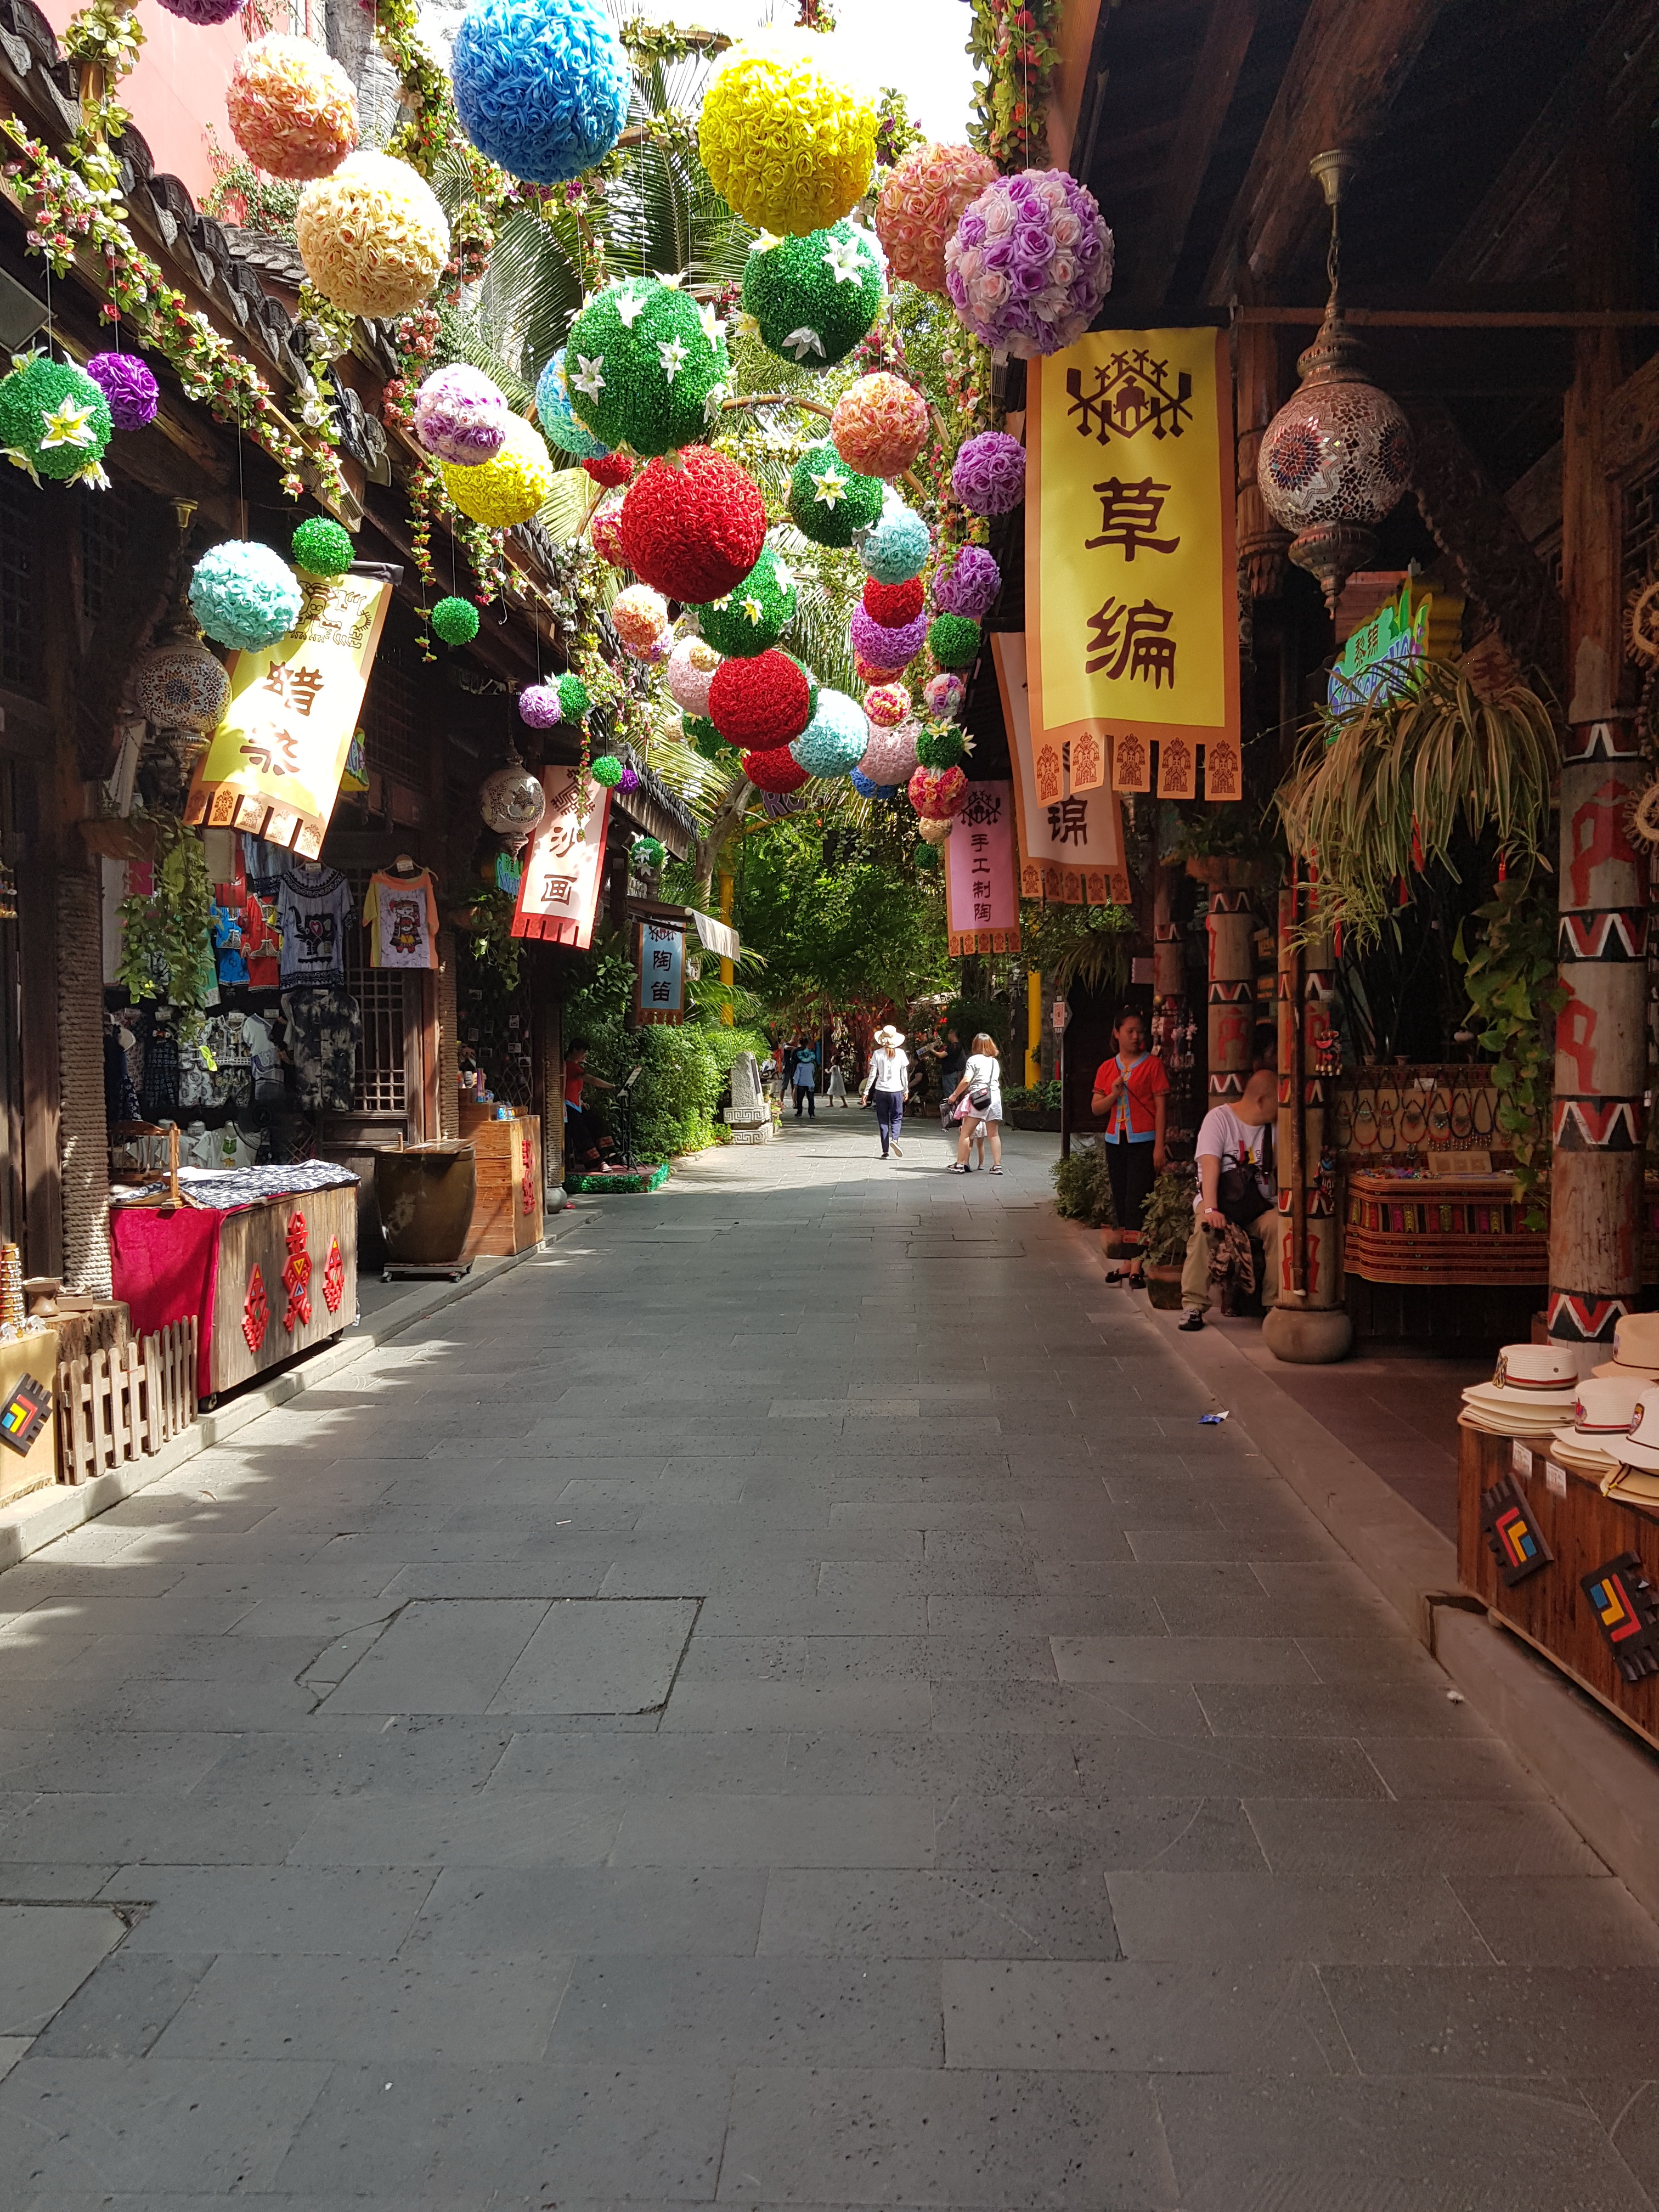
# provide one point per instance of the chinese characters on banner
(1071, 842)
(981, 893)
(274, 764)
(661, 966)
(559, 889)
(1130, 578)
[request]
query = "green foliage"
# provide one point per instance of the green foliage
(1032, 1098)
(1510, 972)
(967, 1017)
(1166, 1224)
(1086, 944)
(496, 952)
(839, 916)
(167, 949)
(1082, 1189)
(1232, 831)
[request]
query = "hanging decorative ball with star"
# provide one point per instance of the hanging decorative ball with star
(761, 702)
(132, 392)
(508, 490)
(693, 525)
(646, 366)
(455, 621)
(814, 297)
(829, 503)
(541, 86)
(919, 204)
(880, 424)
(833, 742)
(703, 738)
(690, 673)
(648, 855)
(787, 142)
(940, 745)
(54, 422)
(291, 109)
(461, 416)
(244, 595)
(371, 236)
(557, 417)
(754, 614)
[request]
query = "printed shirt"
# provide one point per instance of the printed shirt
(1135, 1110)
(324, 1027)
(313, 909)
(401, 916)
(1222, 1136)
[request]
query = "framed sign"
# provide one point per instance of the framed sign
(659, 964)
(1070, 842)
(982, 890)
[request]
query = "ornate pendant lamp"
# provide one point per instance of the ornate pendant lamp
(1338, 455)
(512, 801)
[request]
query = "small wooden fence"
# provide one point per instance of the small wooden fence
(118, 1404)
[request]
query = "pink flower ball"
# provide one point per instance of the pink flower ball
(936, 794)
(943, 694)
(605, 531)
(886, 649)
(291, 109)
(460, 415)
(970, 587)
(988, 476)
(920, 205)
(538, 706)
(886, 705)
(639, 615)
(690, 673)
(891, 755)
(879, 425)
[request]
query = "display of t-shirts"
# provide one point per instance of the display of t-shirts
(313, 908)
(401, 916)
(324, 1027)
(226, 922)
(262, 935)
(120, 1095)
(158, 1085)
(264, 1062)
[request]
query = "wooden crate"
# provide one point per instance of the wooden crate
(507, 1213)
(123, 1401)
(29, 1360)
(257, 1238)
(1584, 1532)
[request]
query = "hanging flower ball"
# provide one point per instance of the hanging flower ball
(291, 109)
(203, 12)
(970, 587)
(690, 673)
(461, 416)
(775, 769)
(607, 770)
(833, 742)
(879, 424)
(829, 503)
(889, 604)
(866, 789)
(54, 421)
(933, 833)
(940, 745)
(179, 685)
(557, 418)
(943, 694)
(786, 144)
(608, 471)
(886, 649)
(926, 854)
(510, 488)
(897, 547)
(953, 640)
(988, 474)
(628, 780)
(694, 525)
(1029, 264)
(539, 708)
(455, 621)
(703, 737)
(575, 701)
(887, 705)
(244, 595)
(371, 236)
(639, 615)
(936, 794)
(648, 855)
(921, 204)
(646, 366)
(604, 529)
(891, 755)
(322, 547)
(126, 383)
(761, 702)
(541, 86)
(752, 616)
(814, 297)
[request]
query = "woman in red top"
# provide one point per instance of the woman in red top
(1131, 1090)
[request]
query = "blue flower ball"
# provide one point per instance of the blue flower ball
(244, 595)
(834, 741)
(553, 412)
(541, 86)
(866, 789)
(896, 548)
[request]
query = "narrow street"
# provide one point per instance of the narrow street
(779, 1700)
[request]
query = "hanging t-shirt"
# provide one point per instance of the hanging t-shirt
(313, 909)
(401, 916)
(324, 1027)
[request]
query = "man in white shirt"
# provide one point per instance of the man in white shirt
(1229, 1137)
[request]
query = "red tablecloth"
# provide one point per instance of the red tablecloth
(166, 1266)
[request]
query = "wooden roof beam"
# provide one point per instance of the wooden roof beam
(1227, 36)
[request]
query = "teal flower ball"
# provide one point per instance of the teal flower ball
(896, 548)
(244, 595)
(814, 297)
(754, 613)
(834, 741)
(455, 621)
(830, 503)
(557, 417)
(646, 366)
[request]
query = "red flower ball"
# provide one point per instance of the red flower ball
(693, 525)
(936, 794)
(775, 769)
(892, 605)
(760, 704)
(611, 470)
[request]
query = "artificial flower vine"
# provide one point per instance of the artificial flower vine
(1015, 48)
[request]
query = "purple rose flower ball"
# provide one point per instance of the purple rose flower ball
(988, 476)
(970, 587)
(131, 390)
(1030, 263)
(460, 416)
(628, 780)
(203, 12)
(885, 648)
(539, 708)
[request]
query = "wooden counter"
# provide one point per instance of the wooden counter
(507, 1213)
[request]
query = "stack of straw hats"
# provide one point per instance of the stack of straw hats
(1533, 1390)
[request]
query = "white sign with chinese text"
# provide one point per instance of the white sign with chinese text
(559, 890)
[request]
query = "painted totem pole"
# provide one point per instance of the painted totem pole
(1231, 926)
(1310, 1247)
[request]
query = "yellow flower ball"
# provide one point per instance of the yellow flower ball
(508, 490)
(372, 237)
(787, 146)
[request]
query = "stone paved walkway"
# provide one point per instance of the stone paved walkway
(780, 1702)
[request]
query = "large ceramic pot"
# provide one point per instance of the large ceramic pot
(1164, 1288)
(425, 1194)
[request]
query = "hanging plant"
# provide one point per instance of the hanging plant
(1512, 979)
(166, 944)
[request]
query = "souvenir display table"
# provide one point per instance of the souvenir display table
(265, 1258)
(1404, 1228)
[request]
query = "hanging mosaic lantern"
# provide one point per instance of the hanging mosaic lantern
(178, 685)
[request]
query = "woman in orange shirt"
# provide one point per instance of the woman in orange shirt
(1133, 1091)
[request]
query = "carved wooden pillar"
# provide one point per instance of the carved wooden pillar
(1231, 926)
(1309, 1250)
(1262, 543)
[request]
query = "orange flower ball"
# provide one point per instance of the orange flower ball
(920, 205)
(879, 425)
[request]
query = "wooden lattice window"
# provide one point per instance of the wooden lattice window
(105, 521)
(22, 512)
(394, 742)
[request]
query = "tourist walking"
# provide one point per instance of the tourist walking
(953, 1060)
(1133, 1091)
(977, 1101)
(1237, 1206)
(805, 1076)
(884, 1086)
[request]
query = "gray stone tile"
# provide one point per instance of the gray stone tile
(1173, 1835)
(1362, 1709)
(762, 2012)
(648, 1765)
(1419, 1767)
(1208, 1659)
(416, 1753)
(26, 1881)
(521, 1828)
(940, 1914)
(992, 1764)
(137, 1827)
(1563, 1921)
(771, 1706)
(656, 1912)
(1161, 1709)
(46, 1952)
(1491, 2022)
(1240, 1919)
(441, 1656)
(122, 2008)
(1252, 1766)
(1414, 1836)
(593, 1656)
(777, 1831)
(101, 1759)
(277, 1909)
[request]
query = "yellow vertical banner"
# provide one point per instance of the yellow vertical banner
(1131, 592)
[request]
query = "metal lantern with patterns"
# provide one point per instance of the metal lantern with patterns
(178, 685)
(512, 801)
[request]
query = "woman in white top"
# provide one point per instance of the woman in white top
(978, 1099)
(885, 1085)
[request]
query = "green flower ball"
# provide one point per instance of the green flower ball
(927, 855)
(754, 613)
(54, 419)
(814, 297)
(701, 735)
(829, 503)
(646, 366)
(574, 699)
(940, 745)
(953, 640)
(322, 548)
(648, 855)
(456, 621)
(607, 770)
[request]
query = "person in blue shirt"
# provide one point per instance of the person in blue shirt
(805, 1080)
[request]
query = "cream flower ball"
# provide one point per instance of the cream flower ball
(372, 237)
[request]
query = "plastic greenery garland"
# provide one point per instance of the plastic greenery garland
(460, 415)
(896, 549)
(539, 707)
(750, 618)
(126, 381)
(880, 424)
(244, 595)
(372, 237)
(760, 704)
(322, 548)
(576, 701)
(830, 503)
(648, 855)
(554, 413)
(646, 366)
(921, 204)
(541, 86)
(953, 640)
(54, 422)
(607, 770)
(814, 297)
(1029, 264)
(786, 145)
(693, 525)
(291, 110)
(510, 488)
(833, 742)
(455, 621)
